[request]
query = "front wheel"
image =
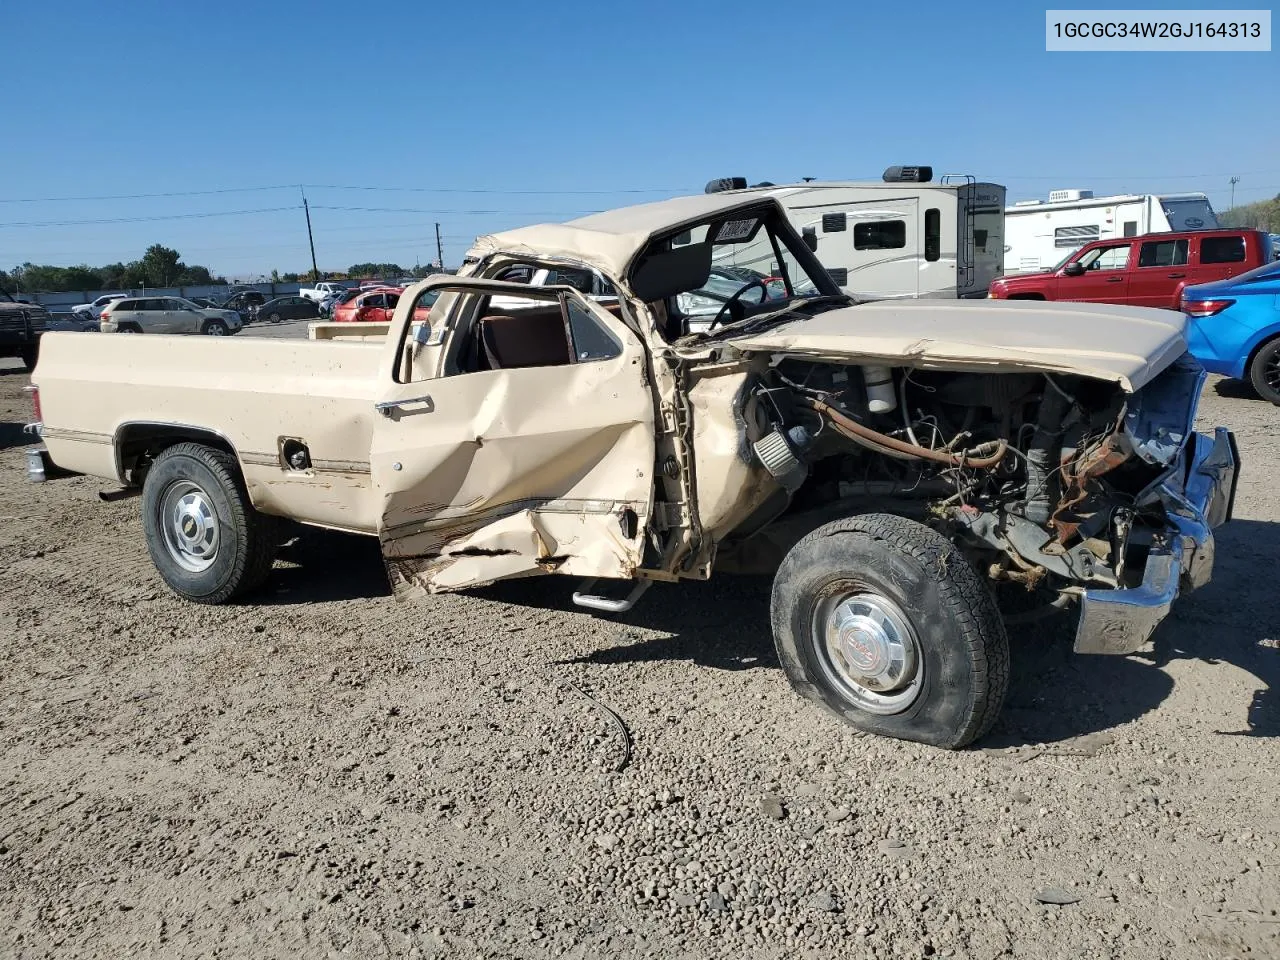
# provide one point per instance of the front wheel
(204, 536)
(215, 328)
(1264, 371)
(882, 621)
(274, 318)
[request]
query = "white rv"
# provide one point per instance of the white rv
(1039, 235)
(906, 236)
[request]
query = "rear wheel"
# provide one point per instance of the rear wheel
(215, 328)
(1264, 371)
(274, 318)
(205, 539)
(882, 621)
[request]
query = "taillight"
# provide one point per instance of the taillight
(1204, 308)
(35, 402)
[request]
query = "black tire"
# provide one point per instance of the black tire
(245, 543)
(130, 328)
(274, 317)
(962, 651)
(1264, 371)
(216, 328)
(29, 357)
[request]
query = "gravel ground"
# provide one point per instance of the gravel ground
(326, 772)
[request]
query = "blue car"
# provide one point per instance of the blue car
(1233, 327)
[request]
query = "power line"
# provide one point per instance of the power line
(149, 196)
(529, 193)
(336, 186)
(455, 213)
(171, 216)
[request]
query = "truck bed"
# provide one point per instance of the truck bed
(251, 392)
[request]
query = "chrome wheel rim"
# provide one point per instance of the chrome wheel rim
(189, 526)
(216, 330)
(868, 648)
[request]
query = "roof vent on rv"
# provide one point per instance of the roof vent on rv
(1059, 196)
(722, 184)
(908, 174)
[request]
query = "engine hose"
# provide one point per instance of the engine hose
(982, 457)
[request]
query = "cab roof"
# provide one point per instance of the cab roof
(610, 240)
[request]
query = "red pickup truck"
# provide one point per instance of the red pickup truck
(1146, 271)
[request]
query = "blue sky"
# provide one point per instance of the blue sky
(584, 106)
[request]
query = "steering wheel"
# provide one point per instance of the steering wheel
(734, 303)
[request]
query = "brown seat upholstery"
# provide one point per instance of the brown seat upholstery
(530, 338)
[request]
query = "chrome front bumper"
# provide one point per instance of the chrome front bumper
(1197, 497)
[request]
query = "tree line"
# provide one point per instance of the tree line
(1263, 215)
(160, 266)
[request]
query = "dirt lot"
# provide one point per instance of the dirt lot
(327, 772)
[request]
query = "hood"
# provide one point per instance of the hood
(9, 306)
(1124, 345)
(1015, 278)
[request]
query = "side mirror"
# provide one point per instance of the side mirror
(810, 235)
(1073, 269)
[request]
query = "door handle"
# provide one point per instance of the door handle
(386, 406)
(1115, 280)
(1176, 276)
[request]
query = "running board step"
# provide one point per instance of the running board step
(582, 597)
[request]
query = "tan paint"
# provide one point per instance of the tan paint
(1124, 345)
(502, 473)
(729, 480)
(493, 474)
(250, 391)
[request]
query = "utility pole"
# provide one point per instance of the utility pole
(439, 249)
(315, 271)
(1234, 181)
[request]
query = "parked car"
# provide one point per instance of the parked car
(892, 464)
(168, 315)
(1233, 328)
(95, 308)
(369, 306)
(207, 302)
(287, 308)
(243, 303)
(328, 304)
(1145, 271)
(321, 290)
(75, 322)
(22, 324)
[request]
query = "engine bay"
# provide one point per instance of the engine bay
(1043, 479)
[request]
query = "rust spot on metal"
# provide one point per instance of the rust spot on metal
(1080, 487)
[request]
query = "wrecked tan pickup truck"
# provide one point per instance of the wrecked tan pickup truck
(895, 465)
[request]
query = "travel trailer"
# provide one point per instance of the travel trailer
(906, 236)
(1039, 235)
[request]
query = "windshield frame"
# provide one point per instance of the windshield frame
(784, 241)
